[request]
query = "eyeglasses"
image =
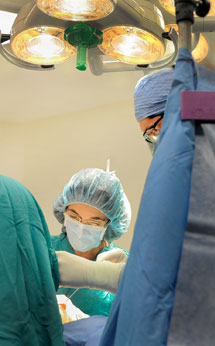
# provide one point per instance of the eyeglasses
(151, 134)
(94, 223)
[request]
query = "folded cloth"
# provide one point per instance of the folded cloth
(68, 311)
(84, 332)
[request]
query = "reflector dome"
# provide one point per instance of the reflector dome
(169, 6)
(131, 45)
(42, 46)
(81, 10)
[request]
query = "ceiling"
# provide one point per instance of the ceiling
(27, 95)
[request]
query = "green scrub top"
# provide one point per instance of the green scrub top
(29, 274)
(90, 301)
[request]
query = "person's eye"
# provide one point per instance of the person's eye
(74, 217)
(94, 224)
(150, 132)
(153, 131)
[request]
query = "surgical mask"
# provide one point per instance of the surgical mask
(83, 237)
(152, 148)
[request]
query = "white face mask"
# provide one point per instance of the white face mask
(83, 237)
(152, 148)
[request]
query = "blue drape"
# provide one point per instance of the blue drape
(142, 308)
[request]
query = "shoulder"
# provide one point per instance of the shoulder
(56, 238)
(60, 243)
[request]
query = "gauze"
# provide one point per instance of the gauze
(83, 237)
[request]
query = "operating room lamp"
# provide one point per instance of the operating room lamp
(132, 33)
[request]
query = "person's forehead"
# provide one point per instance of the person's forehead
(86, 210)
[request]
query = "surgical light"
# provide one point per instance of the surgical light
(81, 10)
(200, 52)
(42, 45)
(131, 45)
(35, 41)
(169, 6)
(136, 39)
(201, 49)
(132, 34)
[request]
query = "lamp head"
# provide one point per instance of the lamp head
(39, 39)
(81, 10)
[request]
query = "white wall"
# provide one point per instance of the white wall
(12, 151)
(44, 154)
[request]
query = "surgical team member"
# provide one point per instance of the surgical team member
(31, 271)
(150, 97)
(93, 210)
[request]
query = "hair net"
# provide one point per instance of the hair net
(151, 93)
(101, 190)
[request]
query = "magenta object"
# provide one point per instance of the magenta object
(198, 105)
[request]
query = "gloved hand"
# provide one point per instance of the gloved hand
(115, 256)
(76, 271)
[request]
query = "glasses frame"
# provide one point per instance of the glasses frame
(88, 223)
(146, 137)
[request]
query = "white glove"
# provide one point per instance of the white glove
(115, 256)
(76, 271)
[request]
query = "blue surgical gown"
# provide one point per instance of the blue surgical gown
(142, 309)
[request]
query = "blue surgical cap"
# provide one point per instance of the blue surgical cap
(151, 93)
(101, 190)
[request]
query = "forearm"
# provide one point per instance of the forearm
(76, 271)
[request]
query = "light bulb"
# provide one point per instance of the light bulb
(42, 46)
(45, 46)
(131, 45)
(81, 10)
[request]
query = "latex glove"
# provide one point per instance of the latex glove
(115, 256)
(76, 271)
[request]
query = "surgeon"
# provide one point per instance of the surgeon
(150, 100)
(93, 210)
(31, 271)
(150, 97)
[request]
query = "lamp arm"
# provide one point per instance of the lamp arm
(173, 36)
